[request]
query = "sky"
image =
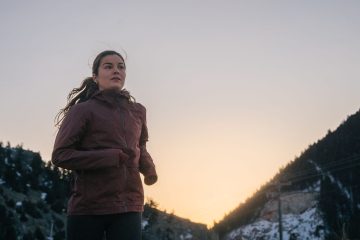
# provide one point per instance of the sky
(234, 90)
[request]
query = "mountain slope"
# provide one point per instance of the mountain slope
(329, 169)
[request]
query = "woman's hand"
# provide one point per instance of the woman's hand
(150, 180)
(123, 157)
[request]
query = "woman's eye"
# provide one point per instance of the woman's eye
(107, 67)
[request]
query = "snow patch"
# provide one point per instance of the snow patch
(18, 204)
(144, 223)
(313, 188)
(43, 195)
(48, 183)
(308, 225)
(29, 167)
(186, 236)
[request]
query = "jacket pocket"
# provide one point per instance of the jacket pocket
(103, 186)
(77, 184)
(134, 184)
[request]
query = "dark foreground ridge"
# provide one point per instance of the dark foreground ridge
(33, 199)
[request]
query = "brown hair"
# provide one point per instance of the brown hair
(87, 88)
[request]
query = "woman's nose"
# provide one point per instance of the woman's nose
(116, 70)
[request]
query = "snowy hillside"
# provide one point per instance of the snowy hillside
(301, 218)
(306, 226)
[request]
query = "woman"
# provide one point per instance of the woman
(102, 139)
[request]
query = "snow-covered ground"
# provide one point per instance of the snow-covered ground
(306, 226)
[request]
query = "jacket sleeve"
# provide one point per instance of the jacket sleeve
(66, 153)
(147, 166)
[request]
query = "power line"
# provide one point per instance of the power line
(306, 174)
(344, 161)
(322, 192)
(309, 176)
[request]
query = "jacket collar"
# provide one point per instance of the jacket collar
(113, 96)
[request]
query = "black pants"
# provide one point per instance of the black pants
(121, 226)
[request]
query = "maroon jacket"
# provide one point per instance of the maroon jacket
(103, 140)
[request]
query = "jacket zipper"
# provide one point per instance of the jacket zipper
(124, 129)
(126, 145)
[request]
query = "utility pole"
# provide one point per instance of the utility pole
(279, 212)
(50, 237)
(351, 191)
(278, 186)
(351, 194)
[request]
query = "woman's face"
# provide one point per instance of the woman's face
(111, 72)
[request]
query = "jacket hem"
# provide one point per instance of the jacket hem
(112, 210)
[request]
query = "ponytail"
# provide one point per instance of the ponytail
(77, 95)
